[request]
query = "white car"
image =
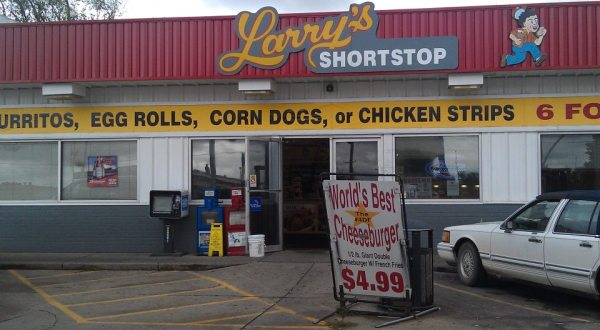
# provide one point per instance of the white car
(553, 240)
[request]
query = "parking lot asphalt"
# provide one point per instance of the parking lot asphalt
(284, 290)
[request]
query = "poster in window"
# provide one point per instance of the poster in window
(418, 187)
(102, 172)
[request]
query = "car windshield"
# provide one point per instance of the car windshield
(535, 217)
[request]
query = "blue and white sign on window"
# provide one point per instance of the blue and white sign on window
(255, 204)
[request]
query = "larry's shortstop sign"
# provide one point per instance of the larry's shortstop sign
(367, 237)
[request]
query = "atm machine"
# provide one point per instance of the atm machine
(171, 206)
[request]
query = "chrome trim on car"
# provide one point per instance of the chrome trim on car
(518, 262)
(485, 255)
(568, 270)
(573, 234)
(445, 247)
(446, 252)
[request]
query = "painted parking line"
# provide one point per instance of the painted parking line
(290, 327)
(157, 310)
(209, 323)
(247, 294)
(123, 287)
(510, 303)
(228, 318)
(219, 325)
(99, 302)
(171, 324)
(62, 275)
(49, 299)
(45, 286)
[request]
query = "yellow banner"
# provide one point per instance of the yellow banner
(304, 116)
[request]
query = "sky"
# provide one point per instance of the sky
(192, 8)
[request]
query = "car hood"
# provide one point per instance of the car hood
(481, 226)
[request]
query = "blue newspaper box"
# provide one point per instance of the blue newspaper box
(207, 214)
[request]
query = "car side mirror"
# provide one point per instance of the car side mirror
(509, 227)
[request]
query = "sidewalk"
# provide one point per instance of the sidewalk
(144, 261)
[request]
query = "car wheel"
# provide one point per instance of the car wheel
(470, 269)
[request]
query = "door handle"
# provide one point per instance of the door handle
(585, 244)
(535, 240)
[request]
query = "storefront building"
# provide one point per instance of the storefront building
(477, 109)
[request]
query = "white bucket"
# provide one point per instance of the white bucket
(256, 246)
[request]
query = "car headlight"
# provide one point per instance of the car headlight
(446, 236)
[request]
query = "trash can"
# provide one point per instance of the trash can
(420, 256)
(420, 261)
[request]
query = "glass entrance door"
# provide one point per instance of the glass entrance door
(356, 156)
(264, 191)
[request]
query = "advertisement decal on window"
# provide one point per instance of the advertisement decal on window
(102, 171)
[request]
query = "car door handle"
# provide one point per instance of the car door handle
(535, 240)
(585, 244)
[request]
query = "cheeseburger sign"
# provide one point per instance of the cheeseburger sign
(343, 43)
(367, 237)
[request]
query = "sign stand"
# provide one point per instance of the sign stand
(369, 248)
(206, 215)
(216, 240)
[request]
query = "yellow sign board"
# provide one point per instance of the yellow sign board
(216, 240)
(399, 114)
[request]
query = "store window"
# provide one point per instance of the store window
(217, 164)
(29, 171)
(357, 157)
(99, 170)
(570, 161)
(439, 167)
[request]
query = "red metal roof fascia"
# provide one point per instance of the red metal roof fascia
(187, 48)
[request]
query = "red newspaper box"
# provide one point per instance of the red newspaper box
(235, 224)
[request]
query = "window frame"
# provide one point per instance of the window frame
(200, 201)
(443, 200)
(59, 200)
(32, 201)
(540, 156)
(100, 201)
(333, 141)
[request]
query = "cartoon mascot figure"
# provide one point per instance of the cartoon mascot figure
(525, 39)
